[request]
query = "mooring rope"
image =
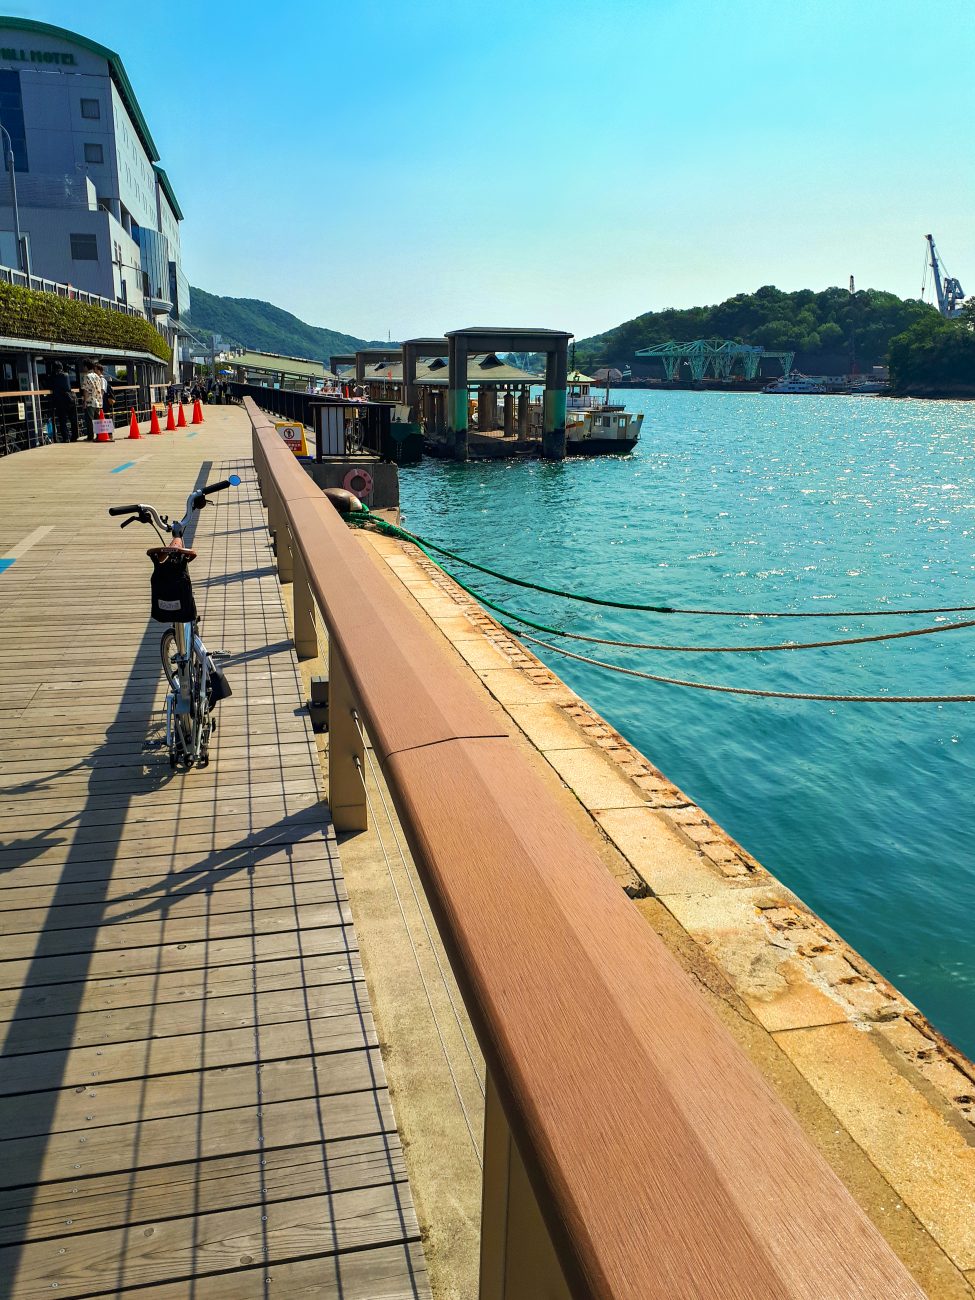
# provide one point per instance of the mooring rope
(425, 545)
(742, 690)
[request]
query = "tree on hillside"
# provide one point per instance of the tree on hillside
(935, 356)
(823, 324)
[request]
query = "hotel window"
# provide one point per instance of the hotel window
(94, 153)
(84, 248)
(12, 118)
(91, 108)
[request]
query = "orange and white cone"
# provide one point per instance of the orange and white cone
(154, 422)
(102, 433)
(181, 418)
(170, 419)
(197, 412)
(134, 425)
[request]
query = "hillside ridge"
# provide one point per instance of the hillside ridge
(253, 323)
(823, 327)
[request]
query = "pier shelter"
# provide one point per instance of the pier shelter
(375, 356)
(480, 339)
(272, 368)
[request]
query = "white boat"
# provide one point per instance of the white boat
(794, 382)
(595, 426)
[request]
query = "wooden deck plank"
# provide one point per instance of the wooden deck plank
(234, 1087)
(173, 1190)
(192, 1096)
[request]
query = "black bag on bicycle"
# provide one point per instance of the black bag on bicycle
(172, 588)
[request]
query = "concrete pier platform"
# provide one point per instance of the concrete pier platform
(192, 1096)
(888, 1101)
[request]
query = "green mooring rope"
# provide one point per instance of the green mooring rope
(365, 517)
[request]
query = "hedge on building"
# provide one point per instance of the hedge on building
(30, 314)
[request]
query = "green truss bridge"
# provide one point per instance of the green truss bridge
(714, 360)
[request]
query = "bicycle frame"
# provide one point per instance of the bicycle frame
(187, 709)
(188, 704)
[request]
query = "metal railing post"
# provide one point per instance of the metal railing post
(346, 751)
(306, 632)
(518, 1260)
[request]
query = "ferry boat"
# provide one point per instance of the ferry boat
(794, 382)
(595, 426)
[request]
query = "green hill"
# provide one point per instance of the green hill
(266, 328)
(817, 326)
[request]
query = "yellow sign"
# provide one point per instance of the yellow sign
(293, 435)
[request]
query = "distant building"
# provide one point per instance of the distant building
(97, 210)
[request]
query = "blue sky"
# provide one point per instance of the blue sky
(410, 167)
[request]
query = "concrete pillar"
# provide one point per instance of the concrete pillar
(346, 754)
(524, 414)
(457, 397)
(411, 393)
(518, 1258)
(509, 414)
(554, 401)
(306, 633)
(483, 409)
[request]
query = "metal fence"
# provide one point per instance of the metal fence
(10, 276)
(29, 418)
(365, 424)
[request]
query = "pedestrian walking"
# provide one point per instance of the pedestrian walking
(92, 394)
(62, 399)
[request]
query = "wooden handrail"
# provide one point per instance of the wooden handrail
(663, 1165)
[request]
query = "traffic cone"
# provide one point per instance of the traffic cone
(134, 425)
(197, 412)
(170, 418)
(154, 422)
(181, 418)
(102, 434)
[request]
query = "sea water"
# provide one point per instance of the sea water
(760, 502)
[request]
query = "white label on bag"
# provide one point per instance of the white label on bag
(169, 604)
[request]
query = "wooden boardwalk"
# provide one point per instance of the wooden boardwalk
(192, 1101)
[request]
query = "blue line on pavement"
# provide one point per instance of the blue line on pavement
(118, 468)
(4, 565)
(193, 434)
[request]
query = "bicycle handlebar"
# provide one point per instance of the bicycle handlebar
(147, 514)
(217, 487)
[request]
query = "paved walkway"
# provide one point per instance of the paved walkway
(191, 1097)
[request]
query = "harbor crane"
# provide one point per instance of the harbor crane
(947, 288)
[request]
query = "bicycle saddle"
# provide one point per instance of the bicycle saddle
(160, 554)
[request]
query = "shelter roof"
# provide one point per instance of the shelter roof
(276, 365)
(577, 377)
(475, 331)
(482, 368)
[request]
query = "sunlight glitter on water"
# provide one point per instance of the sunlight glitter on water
(752, 501)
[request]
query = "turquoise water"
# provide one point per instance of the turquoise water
(758, 502)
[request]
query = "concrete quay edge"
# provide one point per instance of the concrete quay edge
(888, 1100)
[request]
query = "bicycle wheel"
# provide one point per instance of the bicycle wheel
(167, 652)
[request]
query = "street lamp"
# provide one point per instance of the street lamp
(21, 266)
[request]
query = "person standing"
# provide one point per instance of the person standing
(62, 399)
(92, 394)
